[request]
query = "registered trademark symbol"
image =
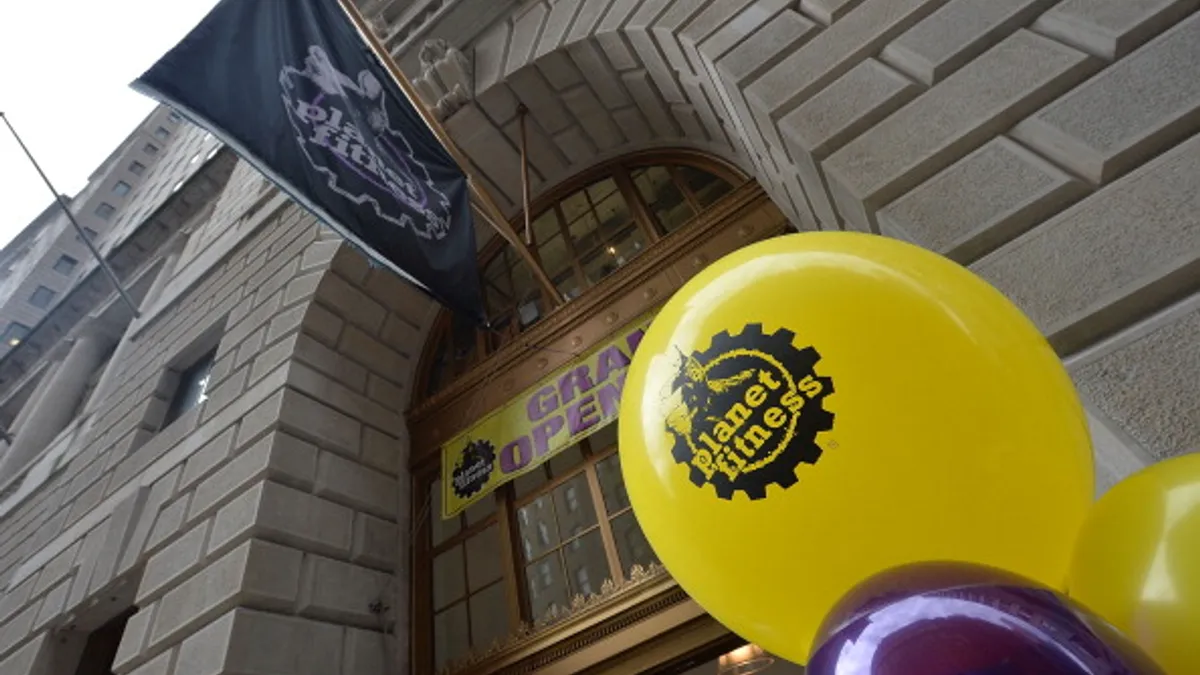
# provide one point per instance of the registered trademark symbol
(831, 444)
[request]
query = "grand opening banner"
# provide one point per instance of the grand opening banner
(574, 402)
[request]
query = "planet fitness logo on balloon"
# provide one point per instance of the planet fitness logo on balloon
(746, 412)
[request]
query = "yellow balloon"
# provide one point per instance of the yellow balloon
(820, 407)
(1137, 561)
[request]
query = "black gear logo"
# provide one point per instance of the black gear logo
(473, 468)
(748, 412)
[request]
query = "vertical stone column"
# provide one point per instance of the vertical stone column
(54, 360)
(52, 410)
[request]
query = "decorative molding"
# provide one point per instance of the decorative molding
(564, 631)
(445, 81)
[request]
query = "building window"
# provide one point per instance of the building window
(150, 149)
(42, 297)
(137, 168)
(570, 539)
(175, 117)
(192, 389)
(105, 210)
(581, 235)
(89, 232)
(15, 333)
(162, 133)
(121, 188)
(65, 265)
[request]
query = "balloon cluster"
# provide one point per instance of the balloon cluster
(862, 457)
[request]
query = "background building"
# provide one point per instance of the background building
(45, 259)
(244, 478)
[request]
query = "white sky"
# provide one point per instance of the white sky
(65, 69)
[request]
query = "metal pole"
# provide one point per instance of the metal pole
(70, 216)
(492, 209)
(523, 112)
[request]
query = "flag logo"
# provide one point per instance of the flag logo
(373, 166)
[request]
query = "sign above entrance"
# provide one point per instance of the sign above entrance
(574, 402)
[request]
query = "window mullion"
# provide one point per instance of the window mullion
(565, 233)
(514, 592)
(638, 209)
(606, 535)
(684, 190)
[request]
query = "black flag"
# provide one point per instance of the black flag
(292, 87)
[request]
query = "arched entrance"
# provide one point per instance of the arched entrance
(542, 568)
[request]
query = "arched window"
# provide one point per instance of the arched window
(583, 231)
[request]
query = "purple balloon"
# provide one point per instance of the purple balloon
(958, 619)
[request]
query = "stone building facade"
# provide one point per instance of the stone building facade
(248, 483)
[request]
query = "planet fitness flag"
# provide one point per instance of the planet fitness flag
(292, 87)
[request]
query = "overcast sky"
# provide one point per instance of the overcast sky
(65, 69)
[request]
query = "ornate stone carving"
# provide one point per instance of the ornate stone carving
(611, 590)
(445, 82)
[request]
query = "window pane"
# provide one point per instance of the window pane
(489, 617)
(612, 484)
(528, 483)
(484, 558)
(612, 211)
(574, 206)
(538, 532)
(603, 439)
(573, 501)
(554, 255)
(440, 530)
(450, 636)
(632, 547)
(481, 510)
(615, 254)
(546, 585)
(585, 232)
(567, 460)
(42, 297)
(65, 264)
(665, 200)
(545, 226)
(706, 187)
(587, 566)
(598, 192)
(449, 582)
(193, 387)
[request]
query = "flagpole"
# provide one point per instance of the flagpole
(70, 216)
(494, 215)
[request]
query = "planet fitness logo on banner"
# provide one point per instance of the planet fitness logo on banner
(318, 107)
(746, 412)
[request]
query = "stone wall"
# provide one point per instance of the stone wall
(1045, 144)
(261, 530)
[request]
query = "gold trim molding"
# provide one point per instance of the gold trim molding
(564, 631)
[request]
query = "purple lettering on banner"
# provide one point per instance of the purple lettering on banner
(612, 358)
(581, 415)
(576, 381)
(516, 455)
(610, 398)
(543, 402)
(544, 432)
(634, 339)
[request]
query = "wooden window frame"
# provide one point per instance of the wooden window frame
(513, 564)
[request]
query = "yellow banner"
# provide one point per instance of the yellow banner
(576, 401)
